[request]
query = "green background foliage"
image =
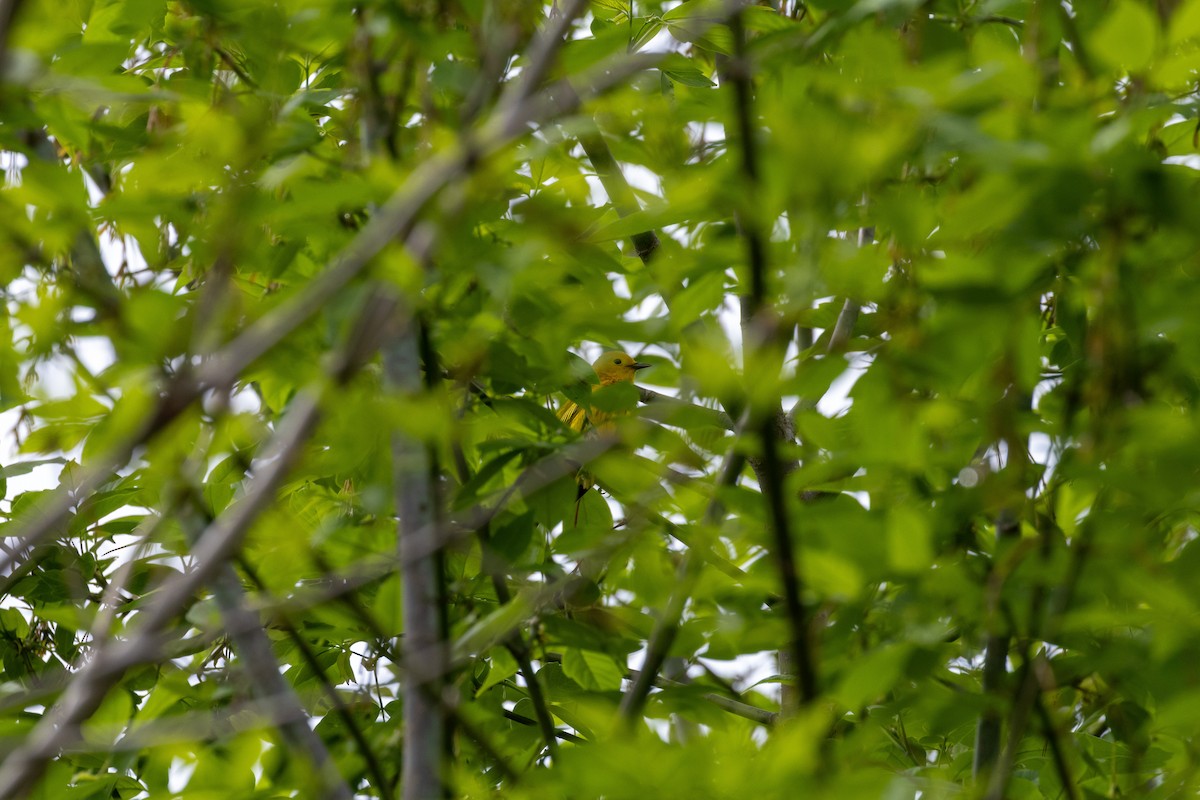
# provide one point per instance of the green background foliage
(924, 283)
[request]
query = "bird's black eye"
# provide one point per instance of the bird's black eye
(618, 361)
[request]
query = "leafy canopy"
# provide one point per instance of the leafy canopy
(921, 278)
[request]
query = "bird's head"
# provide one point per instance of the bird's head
(615, 366)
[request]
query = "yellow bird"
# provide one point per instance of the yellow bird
(614, 366)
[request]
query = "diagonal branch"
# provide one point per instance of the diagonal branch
(446, 701)
(688, 571)
(736, 707)
(457, 527)
(541, 54)
(616, 185)
(61, 726)
(374, 766)
(262, 668)
(256, 655)
(515, 644)
(394, 222)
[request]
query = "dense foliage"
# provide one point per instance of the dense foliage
(291, 292)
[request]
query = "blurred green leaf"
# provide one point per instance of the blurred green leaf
(591, 670)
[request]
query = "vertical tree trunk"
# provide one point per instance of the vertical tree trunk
(421, 595)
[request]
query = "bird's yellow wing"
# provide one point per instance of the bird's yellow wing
(573, 416)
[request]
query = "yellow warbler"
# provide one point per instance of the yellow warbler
(614, 366)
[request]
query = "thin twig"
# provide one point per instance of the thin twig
(540, 54)
(515, 644)
(374, 766)
(737, 707)
(1057, 750)
(667, 625)
(394, 222)
(965, 21)
(448, 706)
(673, 405)
(1026, 689)
(61, 725)
(566, 736)
(230, 62)
(759, 333)
(995, 662)
(262, 668)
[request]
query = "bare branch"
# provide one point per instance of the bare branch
(540, 55)
(262, 668)
(761, 333)
(374, 767)
(737, 707)
(672, 405)
(688, 571)
(420, 580)
(393, 223)
(843, 329)
(61, 726)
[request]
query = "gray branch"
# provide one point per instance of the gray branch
(394, 222)
(420, 580)
(61, 726)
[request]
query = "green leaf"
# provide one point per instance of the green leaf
(1127, 38)
(910, 540)
(502, 667)
(647, 29)
(872, 676)
(512, 537)
(687, 22)
(593, 671)
(689, 76)
(387, 609)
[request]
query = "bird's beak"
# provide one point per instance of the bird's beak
(639, 365)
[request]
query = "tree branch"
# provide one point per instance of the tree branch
(262, 669)
(615, 184)
(61, 725)
(515, 644)
(448, 707)
(566, 736)
(843, 329)
(374, 766)
(540, 55)
(761, 332)
(667, 626)
(1057, 750)
(420, 578)
(393, 223)
(995, 662)
(673, 405)
(737, 707)
(620, 193)
(9, 9)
